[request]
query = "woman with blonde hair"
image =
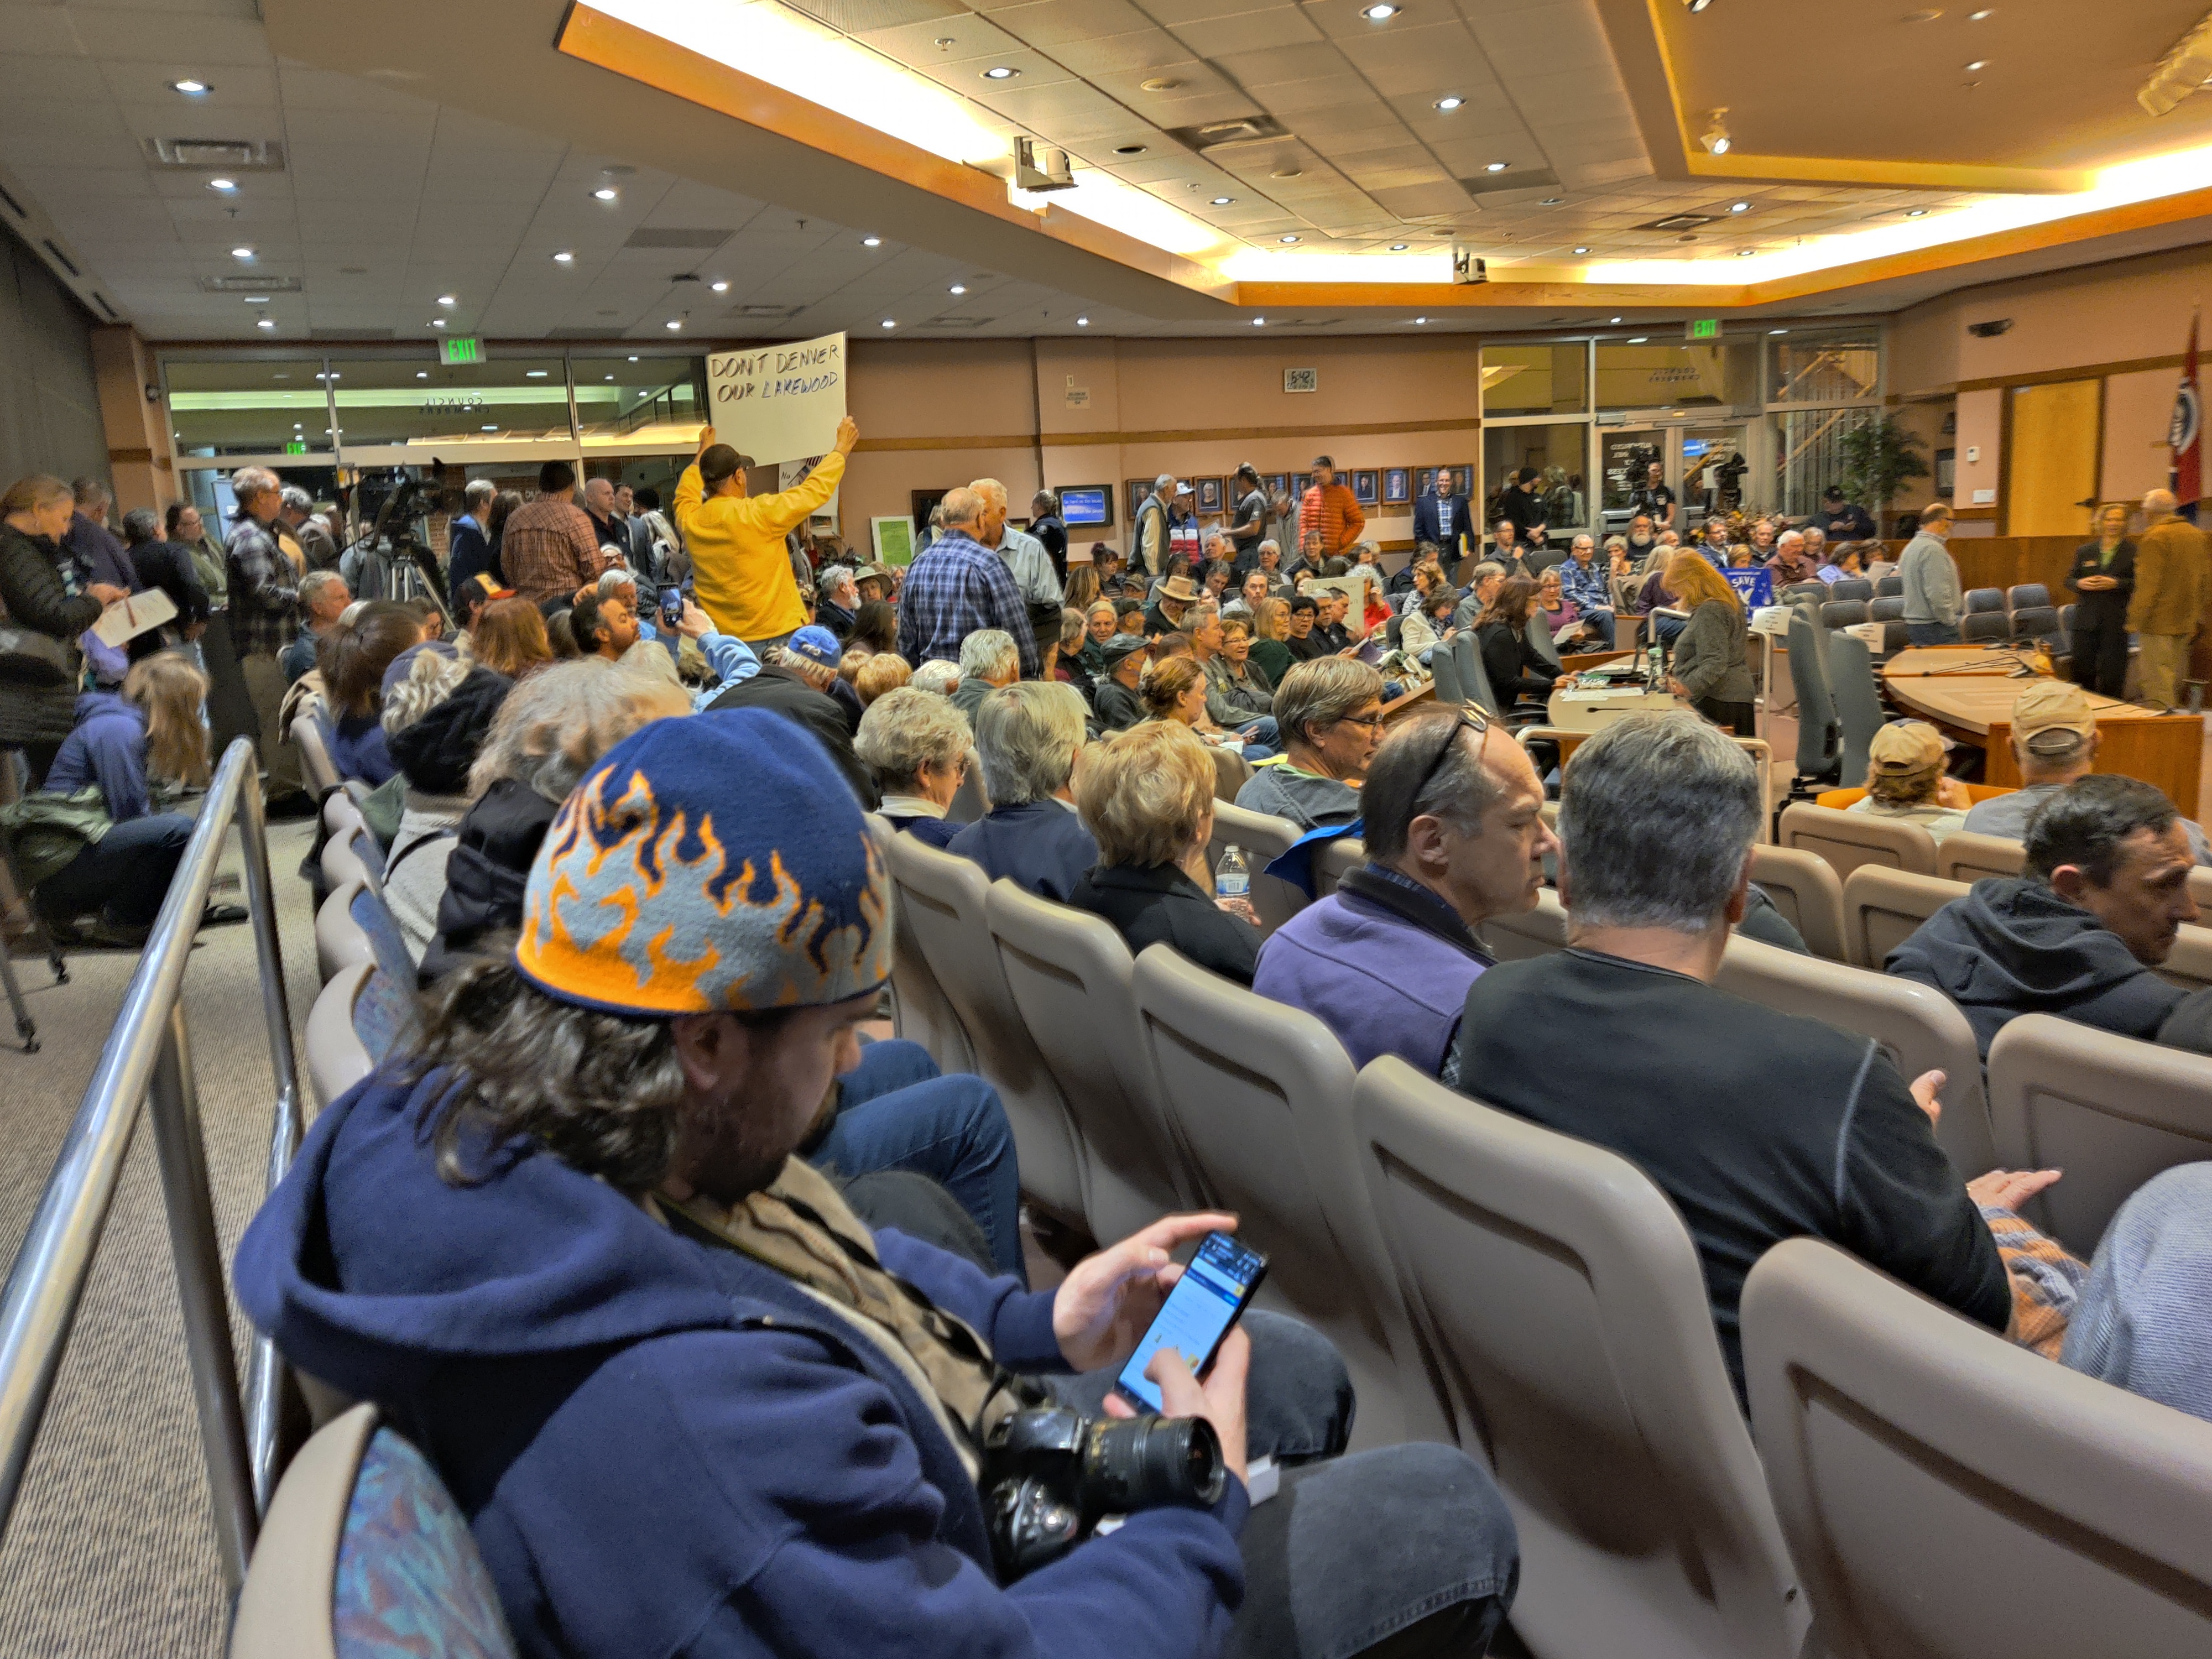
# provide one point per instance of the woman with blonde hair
(1174, 691)
(510, 638)
(1711, 671)
(1271, 627)
(884, 671)
(130, 746)
(1146, 797)
(1082, 590)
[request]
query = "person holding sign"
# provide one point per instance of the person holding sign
(740, 569)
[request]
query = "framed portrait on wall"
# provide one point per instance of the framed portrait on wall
(1136, 489)
(1300, 482)
(1397, 486)
(1365, 484)
(1208, 492)
(1277, 482)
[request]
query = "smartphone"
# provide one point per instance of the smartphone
(1206, 1303)
(672, 605)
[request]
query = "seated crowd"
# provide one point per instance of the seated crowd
(706, 1307)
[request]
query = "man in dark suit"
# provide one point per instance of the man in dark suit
(1027, 736)
(1442, 517)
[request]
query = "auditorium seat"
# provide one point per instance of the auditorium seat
(1857, 701)
(1068, 973)
(364, 1555)
(1263, 838)
(1947, 1495)
(943, 897)
(1334, 862)
(2027, 596)
(321, 771)
(920, 1012)
(340, 941)
(1851, 588)
(1847, 840)
(972, 799)
(2112, 1112)
(1843, 613)
(337, 1057)
(1445, 672)
(351, 857)
(1889, 587)
(1805, 890)
(1919, 1028)
(1811, 594)
(1882, 908)
(1538, 633)
(1961, 856)
(1981, 600)
(1563, 1314)
(1820, 734)
(1474, 677)
(1260, 1098)
(1886, 608)
(1535, 932)
(1984, 628)
(340, 813)
(2189, 963)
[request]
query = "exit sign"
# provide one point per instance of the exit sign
(467, 349)
(296, 445)
(1701, 328)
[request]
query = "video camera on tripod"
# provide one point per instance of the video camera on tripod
(392, 559)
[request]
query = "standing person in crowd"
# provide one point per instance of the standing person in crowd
(504, 507)
(639, 536)
(1931, 582)
(1120, 704)
(1906, 779)
(1842, 520)
(1521, 504)
(549, 546)
(468, 542)
(1759, 1126)
(129, 746)
(1183, 537)
(837, 600)
(1148, 542)
(914, 745)
(1516, 668)
(1283, 530)
(2054, 742)
(1654, 500)
(1454, 834)
(100, 557)
(264, 598)
(1712, 666)
(230, 704)
(2103, 580)
(2102, 895)
(1329, 715)
(664, 546)
(1248, 523)
(1049, 531)
(1271, 630)
(1029, 736)
(1146, 797)
(1024, 554)
(355, 661)
(741, 570)
(2168, 605)
(958, 586)
(159, 564)
(324, 598)
(317, 545)
(1330, 511)
(1442, 519)
(608, 528)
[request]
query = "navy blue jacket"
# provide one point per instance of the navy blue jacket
(468, 553)
(1040, 846)
(665, 1448)
(1427, 529)
(930, 832)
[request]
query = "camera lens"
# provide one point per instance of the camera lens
(1148, 1463)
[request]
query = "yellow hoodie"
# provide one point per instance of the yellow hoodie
(739, 567)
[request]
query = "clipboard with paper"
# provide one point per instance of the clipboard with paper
(133, 615)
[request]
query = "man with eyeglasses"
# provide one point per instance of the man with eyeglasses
(1328, 714)
(1456, 834)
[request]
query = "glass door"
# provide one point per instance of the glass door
(1626, 459)
(1714, 468)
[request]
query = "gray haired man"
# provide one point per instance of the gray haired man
(1760, 1126)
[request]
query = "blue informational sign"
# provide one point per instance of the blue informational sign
(1755, 586)
(1694, 448)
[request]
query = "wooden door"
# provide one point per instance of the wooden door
(2053, 458)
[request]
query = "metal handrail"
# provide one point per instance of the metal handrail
(148, 1058)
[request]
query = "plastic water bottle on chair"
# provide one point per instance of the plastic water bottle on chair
(1232, 884)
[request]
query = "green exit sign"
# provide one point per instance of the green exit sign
(466, 349)
(296, 445)
(1701, 328)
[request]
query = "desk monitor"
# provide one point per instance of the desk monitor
(1090, 506)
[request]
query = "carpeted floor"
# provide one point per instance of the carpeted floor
(111, 1551)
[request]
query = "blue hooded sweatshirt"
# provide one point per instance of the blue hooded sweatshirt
(667, 1448)
(106, 746)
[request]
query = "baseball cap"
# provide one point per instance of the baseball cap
(1905, 746)
(1181, 488)
(1122, 646)
(2052, 717)
(816, 644)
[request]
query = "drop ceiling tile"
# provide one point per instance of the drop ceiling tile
(40, 80)
(1248, 32)
(1116, 63)
(971, 38)
(1271, 66)
(859, 16)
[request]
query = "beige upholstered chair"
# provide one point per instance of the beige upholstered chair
(1536, 932)
(1947, 1495)
(1969, 858)
(1336, 860)
(340, 941)
(1882, 908)
(1556, 1295)
(1262, 838)
(972, 799)
(335, 1057)
(920, 1012)
(1806, 890)
(1847, 840)
(2189, 964)
(322, 772)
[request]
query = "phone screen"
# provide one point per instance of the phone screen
(1198, 1313)
(672, 605)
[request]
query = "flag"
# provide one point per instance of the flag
(2186, 433)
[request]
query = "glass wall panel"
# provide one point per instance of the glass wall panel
(226, 406)
(1555, 453)
(1625, 457)
(1535, 380)
(1807, 455)
(641, 402)
(1677, 374)
(419, 403)
(1714, 468)
(1842, 366)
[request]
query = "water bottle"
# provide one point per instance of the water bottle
(1232, 877)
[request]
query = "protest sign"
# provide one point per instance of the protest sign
(779, 402)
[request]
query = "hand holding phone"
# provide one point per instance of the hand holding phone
(672, 605)
(1198, 1313)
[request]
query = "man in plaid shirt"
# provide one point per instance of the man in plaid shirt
(1583, 580)
(549, 546)
(265, 591)
(958, 585)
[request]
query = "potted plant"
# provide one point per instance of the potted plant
(1880, 457)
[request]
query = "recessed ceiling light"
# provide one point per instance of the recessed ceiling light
(1915, 213)
(1616, 319)
(448, 299)
(262, 300)
(1978, 64)
(1494, 166)
(1287, 239)
(1258, 322)
(1000, 72)
(633, 360)
(533, 375)
(224, 185)
(1419, 320)
(241, 253)
(957, 287)
(1223, 201)
(1551, 201)
(422, 373)
(720, 287)
(1083, 322)
(605, 193)
(264, 323)
(1128, 149)
(1381, 12)
(1745, 252)
(1450, 103)
(1585, 250)
(1159, 83)
(871, 241)
(1399, 247)
(891, 322)
(192, 88)
(565, 257)
(1739, 207)
(1982, 15)
(1288, 173)
(1777, 330)
(673, 324)
(489, 428)
(437, 322)
(1640, 339)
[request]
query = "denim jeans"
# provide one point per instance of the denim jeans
(894, 1111)
(1932, 633)
(125, 875)
(1356, 1552)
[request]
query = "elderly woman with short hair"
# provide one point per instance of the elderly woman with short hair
(1146, 797)
(914, 745)
(1029, 736)
(1328, 714)
(988, 659)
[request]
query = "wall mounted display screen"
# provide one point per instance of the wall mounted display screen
(1090, 506)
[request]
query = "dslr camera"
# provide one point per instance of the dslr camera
(1050, 1474)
